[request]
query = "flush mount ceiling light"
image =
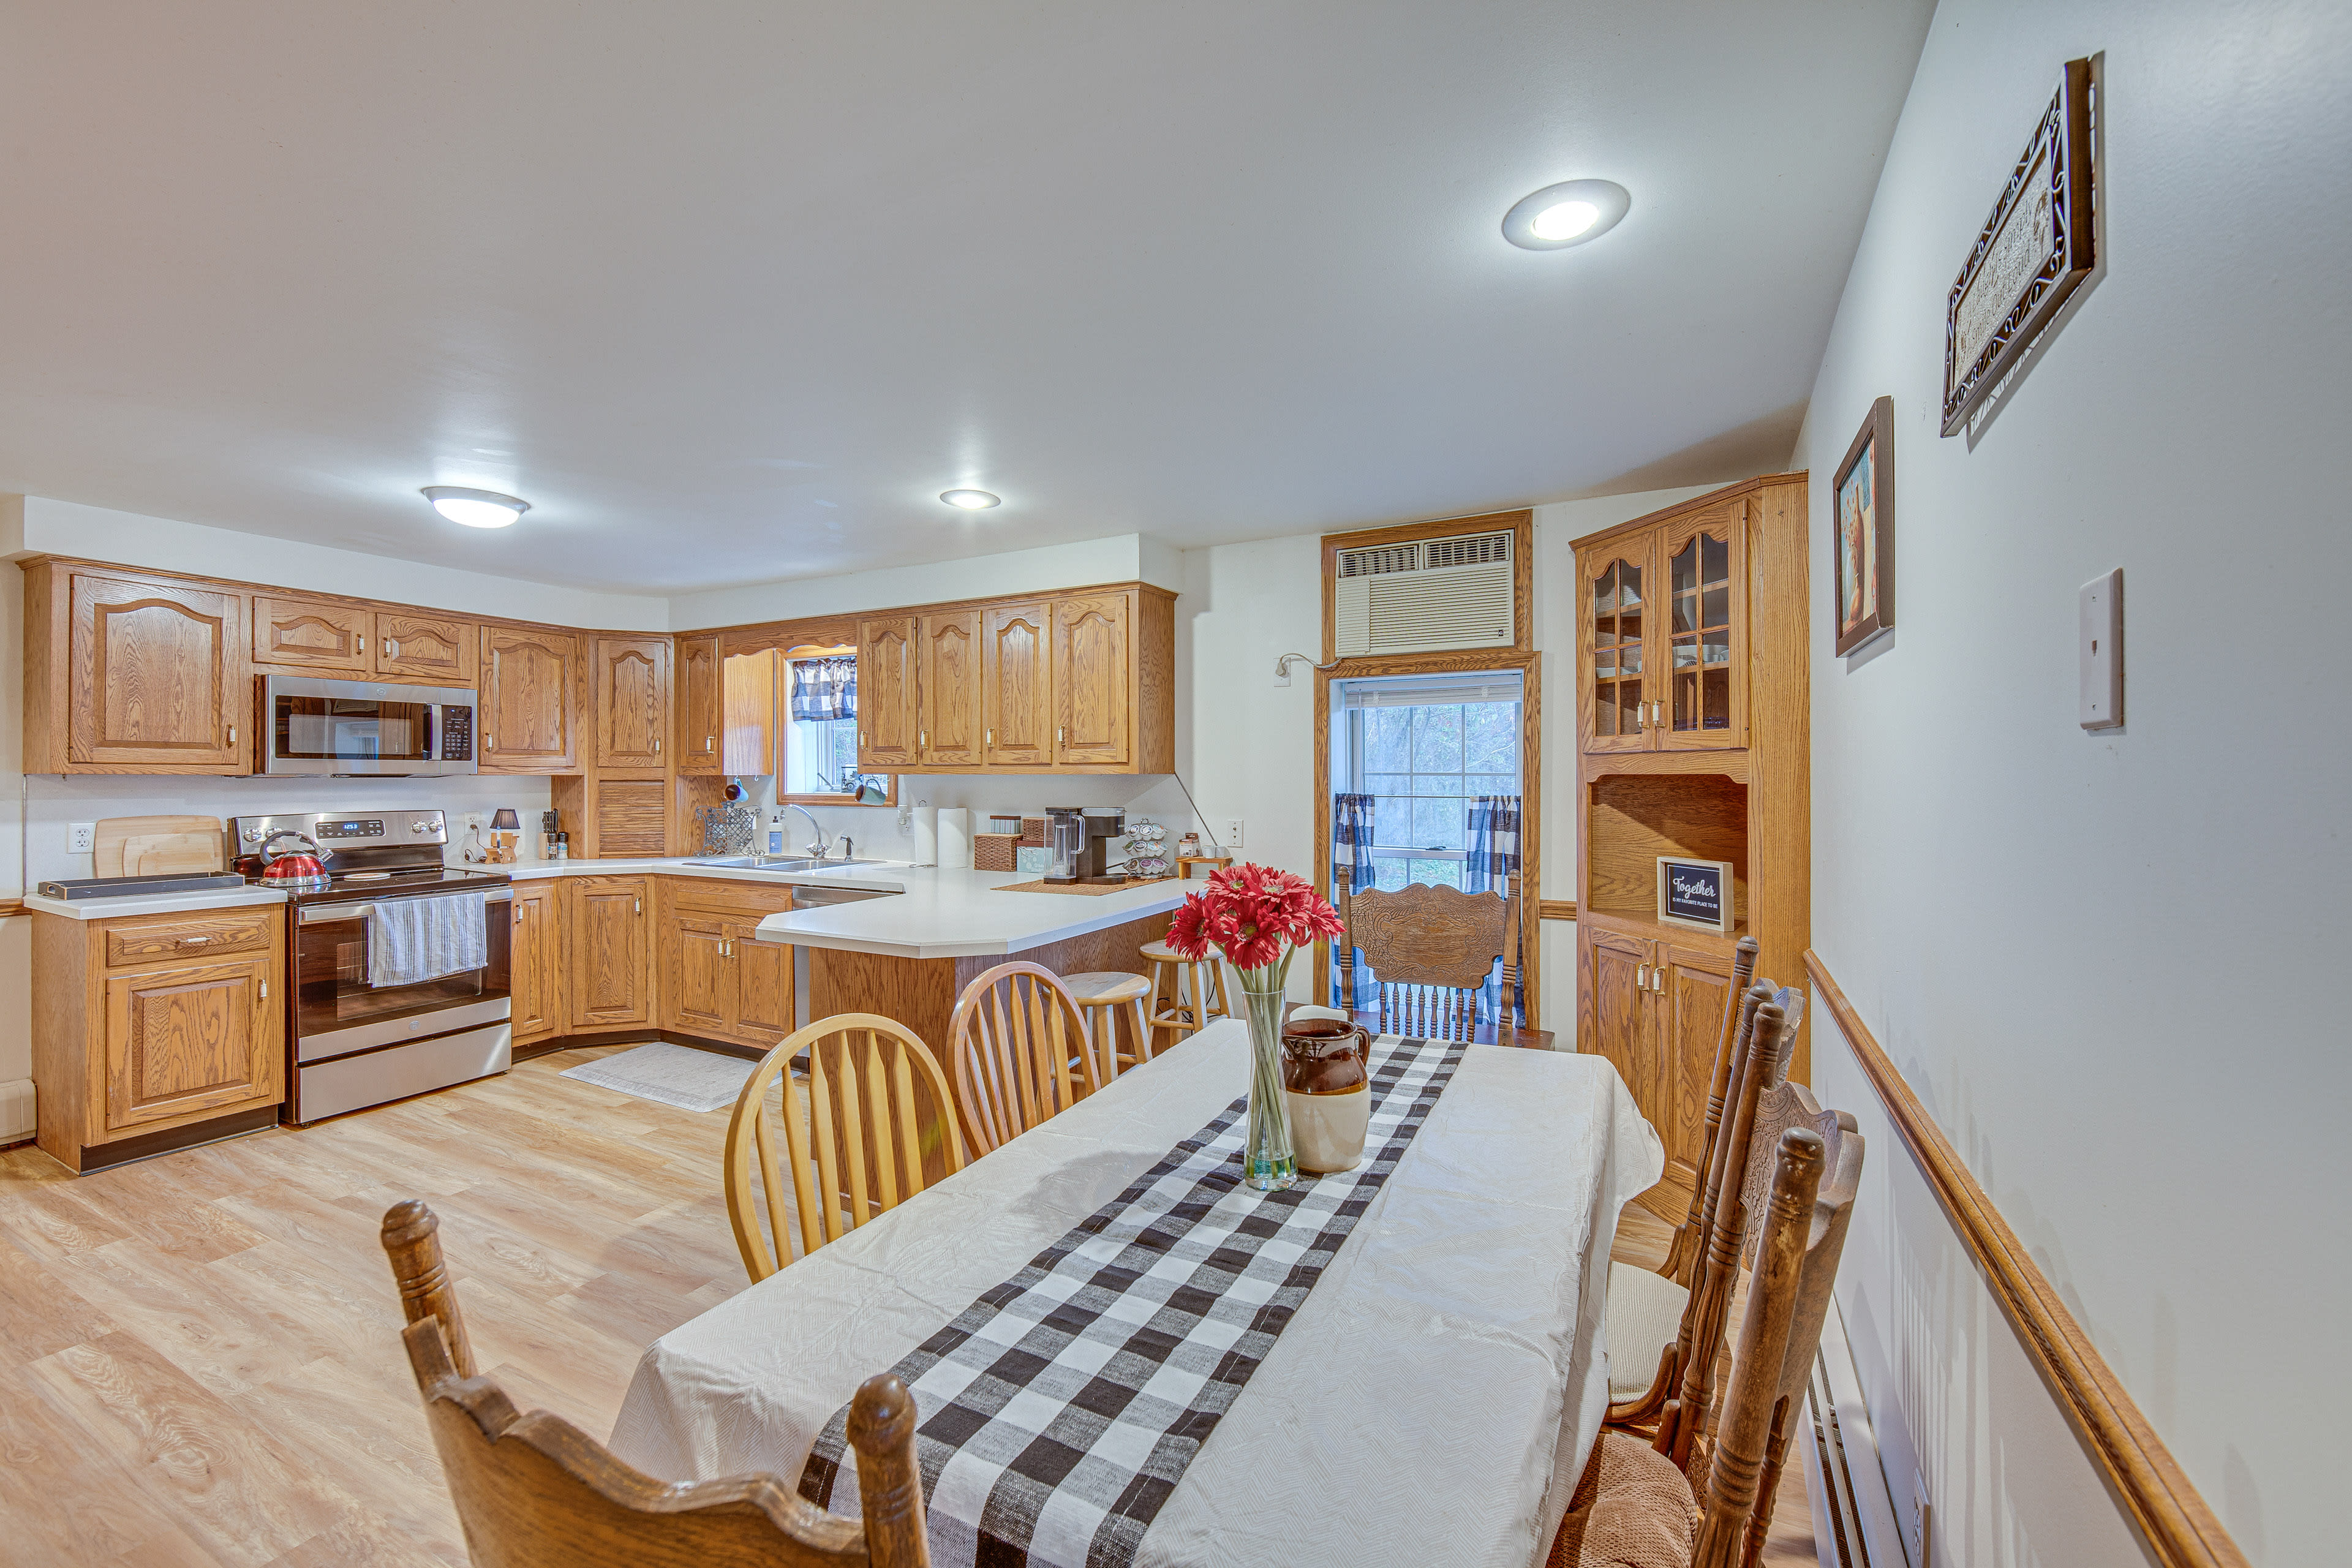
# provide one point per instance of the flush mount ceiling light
(475, 509)
(970, 500)
(1568, 213)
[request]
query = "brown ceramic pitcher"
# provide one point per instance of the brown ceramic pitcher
(1326, 1070)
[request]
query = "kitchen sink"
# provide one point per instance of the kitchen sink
(781, 863)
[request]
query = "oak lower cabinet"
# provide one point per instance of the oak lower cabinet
(153, 1032)
(718, 979)
(127, 673)
(535, 962)
(1656, 1013)
(527, 722)
(608, 939)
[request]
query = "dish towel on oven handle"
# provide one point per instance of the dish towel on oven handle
(1057, 1412)
(415, 940)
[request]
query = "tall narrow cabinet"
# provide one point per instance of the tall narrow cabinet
(1691, 712)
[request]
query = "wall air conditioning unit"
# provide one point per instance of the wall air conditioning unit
(1428, 596)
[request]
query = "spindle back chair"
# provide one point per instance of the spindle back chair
(1019, 1048)
(1431, 948)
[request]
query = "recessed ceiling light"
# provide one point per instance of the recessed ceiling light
(970, 500)
(1568, 213)
(475, 509)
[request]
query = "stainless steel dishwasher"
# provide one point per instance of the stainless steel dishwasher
(805, 897)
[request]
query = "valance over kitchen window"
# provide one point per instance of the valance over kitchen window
(825, 688)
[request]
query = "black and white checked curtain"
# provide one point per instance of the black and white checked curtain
(1351, 856)
(825, 688)
(1493, 861)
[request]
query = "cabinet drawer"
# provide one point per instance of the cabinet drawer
(715, 896)
(192, 937)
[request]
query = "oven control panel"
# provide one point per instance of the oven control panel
(346, 833)
(351, 827)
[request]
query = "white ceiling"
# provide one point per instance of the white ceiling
(730, 291)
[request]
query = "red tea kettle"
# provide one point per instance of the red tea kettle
(299, 870)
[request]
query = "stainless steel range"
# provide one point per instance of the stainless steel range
(376, 1010)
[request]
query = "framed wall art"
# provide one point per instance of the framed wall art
(1694, 893)
(1862, 503)
(2032, 253)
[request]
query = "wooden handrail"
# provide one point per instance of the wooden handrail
(2148, 1482)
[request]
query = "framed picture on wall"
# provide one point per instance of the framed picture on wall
(1862, 508)
(1694, 893)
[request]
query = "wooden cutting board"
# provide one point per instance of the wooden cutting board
(156, 845)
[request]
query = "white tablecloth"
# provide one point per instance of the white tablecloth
(1411, 1412)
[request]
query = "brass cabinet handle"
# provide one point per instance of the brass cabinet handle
(1641, 977)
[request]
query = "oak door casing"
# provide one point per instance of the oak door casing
(535, 964)
(203, 1038)
(701, 717)
(311, 635)
(526, 719)
(439, 649)
(632, 702)
(154, 668)
(1093, 679)
(1017, 686)
(948, 683)
(887, 726)
(607, 934)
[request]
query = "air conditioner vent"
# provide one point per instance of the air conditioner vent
(1470, 549)
(1378, 560)
(1425, 597)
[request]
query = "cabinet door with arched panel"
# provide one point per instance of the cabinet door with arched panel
(1616, 627)
(1702, 672)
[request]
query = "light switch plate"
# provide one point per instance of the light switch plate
(81, 837)
(2101, 650)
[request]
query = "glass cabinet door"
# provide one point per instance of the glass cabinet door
(1617, 626)
(1706, 617)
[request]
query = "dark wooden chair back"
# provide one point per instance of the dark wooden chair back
(1020, 1054)
(1431, 948)
(878, 1126)
(534, 1491)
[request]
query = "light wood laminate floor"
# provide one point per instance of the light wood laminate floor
(199, 1355)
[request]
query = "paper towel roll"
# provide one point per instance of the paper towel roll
(927, 835)
(955, 837)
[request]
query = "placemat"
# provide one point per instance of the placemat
(1087, 889)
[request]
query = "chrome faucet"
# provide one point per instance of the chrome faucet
(823, 844)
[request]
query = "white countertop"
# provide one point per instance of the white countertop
(936, 912)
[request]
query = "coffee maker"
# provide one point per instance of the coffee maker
(1078, 840)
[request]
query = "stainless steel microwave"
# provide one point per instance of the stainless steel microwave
(371, 729)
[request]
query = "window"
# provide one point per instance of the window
(1421, 747)
(820, 730)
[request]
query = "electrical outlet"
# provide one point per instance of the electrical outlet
(81, 837)
(1232, 832)
(1282, 675)
(1915, 1531)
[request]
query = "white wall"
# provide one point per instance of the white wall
(2096, 956)
(1123, 558)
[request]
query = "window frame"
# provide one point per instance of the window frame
(784, 726)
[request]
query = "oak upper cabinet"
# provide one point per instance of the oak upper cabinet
(535, 962)
(1093, 658)
(132, 674)
(306, 634)
(526, 719)
(632, 678)
(1662, 635)
(608, 936)
(947, 685)
(1614, 628)
(702, 714)
(435, 650)
(887, 729)
(1016, 685)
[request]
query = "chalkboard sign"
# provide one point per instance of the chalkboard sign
(1694, 893)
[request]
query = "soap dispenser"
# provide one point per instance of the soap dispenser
(776, 834)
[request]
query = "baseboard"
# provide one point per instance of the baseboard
(638, 1036)
(17, 1107)
(1855, 1525)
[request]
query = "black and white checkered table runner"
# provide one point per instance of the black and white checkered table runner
(1059, 1410)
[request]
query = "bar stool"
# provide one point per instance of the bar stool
(1185, 1010)
(1104, 996)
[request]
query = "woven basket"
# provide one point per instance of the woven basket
(994, 851)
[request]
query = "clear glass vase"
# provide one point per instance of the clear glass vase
(1267, 1162)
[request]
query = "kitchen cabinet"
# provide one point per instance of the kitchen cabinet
(1016, 686)
(718, 980)
(535, 962)
(631, 679)
(700, 711)
(128, 673)
(698, 998)
(947, 689)
(1657, 1015)
(434, 651)
(154, 1031)
(306, 634)
(1662, 636)
(887, 727)
(608, 938)
(526, 724)
(1092, 656)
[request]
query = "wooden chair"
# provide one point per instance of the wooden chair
(1632, 1502)
(1021, 1054)
(1650, 1318)
(879, 1127)
(535, 1491)
(1431, 948)
(1104, 996)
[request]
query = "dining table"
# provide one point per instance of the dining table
(1431, 1399)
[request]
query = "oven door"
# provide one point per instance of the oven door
(339, 1008)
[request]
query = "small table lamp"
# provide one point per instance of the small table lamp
(505, 828)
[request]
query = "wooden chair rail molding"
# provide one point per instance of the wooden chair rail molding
(11, 906)
(1556, 908)
(2141, 1472)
